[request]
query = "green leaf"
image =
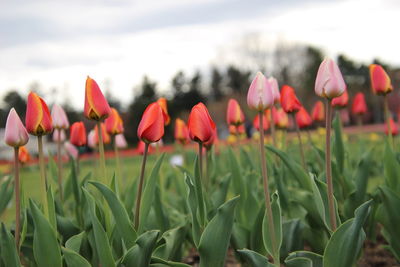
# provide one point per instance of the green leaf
(45, 245)
(304, 259)
(123, 224)
(101, 240)
(74, 243)
(157, 262)
(347, 240)
(51, 208)
(174, 238)
(338, 147)
(8, 250)
(148, 194)
(255, 259)
(237, 180)
(140, 254)
(6, 193)
(273, 249)
(215, 238)
(391, 168)
(73, 259)
(292, 238)
(192, 203)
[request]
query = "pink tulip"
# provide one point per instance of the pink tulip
(71, 150)
(121, 141)
(56, 135)
(275, 89)
(92, 142)
(329, 82)
(15, 134)
(60, 119)
(260, 96)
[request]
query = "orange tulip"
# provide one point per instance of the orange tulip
(114, 123)
(289, 101)
(359, 106)
(106, 136)
(23, 155)
(38, 119)
(163, 104)
(281, 119)
(181, 131)
(318, 112)
(234, 114)
(201, 126)
(393, 127)
(380, 81)
(78, 134)
(96, 106)
(303, 119)
(341, 101)
(151, 127)
(256, 122)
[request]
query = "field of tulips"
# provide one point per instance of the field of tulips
(320, 199)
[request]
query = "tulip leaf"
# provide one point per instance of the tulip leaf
(347, 240)
(291, 237)
(6, 193)
(51, 208)
(45, 245)
(215, 239)
(273, 249)
(174, 239)
(304, 259)
(192, 203)
(101, 240)
(74, 242)
(391, 168)
(73, 259)
(8, 250)
(237, 180)
(123, 224)
(255, 259)
(338, 147)
(148, 194)
(157, 262)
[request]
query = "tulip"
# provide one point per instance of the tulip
(78, 134)
(104, 134)
(201, 126)
(181, 133)
(114, 124)
(303, 119)
(212, 140)
(256, 122)
(60, 119)
(318, 112)
(91, 139)
(240, 129)
(233, 130)
(341, 101)
(393, 129)
(15, 133)
(280, 117)
(359, 106)
(289, 101)
(37, 120)
(71, 150)
(96, 106)
(260, 95)
(329, 82)
(380, 81)
(163, 104)
(120, 141)
(234, 114)
(23, 155)
(59, 135)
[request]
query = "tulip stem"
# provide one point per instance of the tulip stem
(266, 190)
(332, 213)
(17, 198)
(273, 128)
(59, 162)
(139, 191)
(388, 117)
(43, 180)
(117, 160)
(101, 151)
(303, 162)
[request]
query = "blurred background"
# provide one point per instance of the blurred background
(189, 51)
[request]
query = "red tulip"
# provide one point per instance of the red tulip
(96, 106)
(318, 112)
(256, 122)
(201, 126)
(380, 81)
(393, 127)
(23, 155)
(359, 106)
(38, 119)
(341, 101)
(303, 119)
(232, 129)
(234, 114)
(212, 141)
(78, 134)
(163, 104)
(181, 131)
(151, 127)
(15, 134)
(289, 101)
(114, 123)
(241, 129)
(106, 136)
(281, 119)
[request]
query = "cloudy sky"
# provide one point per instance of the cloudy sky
(116, 42)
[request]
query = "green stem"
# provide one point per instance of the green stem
(332, 213)
(139, 191)
(59, 163)
(200, 186)
(17, 198)
(266, 191)
(117, 160)
(43, 180)
(273, 128)
(388, 117)
(101, 151)
(303, 161)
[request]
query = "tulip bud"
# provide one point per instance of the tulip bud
(120, 141)
(23, 155)
(329, 82)
(78, 134)
(91, 139)
(341, 101)
(359, 106)
(58, 135)
(275, 89)
(60, 119)
(380, 81)
(318, 112)
(303, 119)
(71, 150)
(212, 141)
(240, 129)
(15, 134)
(96, 106)
(256, 122)
(281, 119)
(163, 104)
(201, 126)
(114, 123)
(393, 127)
(181, 131)
(151, 127)
(234, 114)
(233, 129)
(37, 120)
(260, 96)
(289, 101)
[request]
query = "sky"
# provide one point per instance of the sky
(116, 42)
